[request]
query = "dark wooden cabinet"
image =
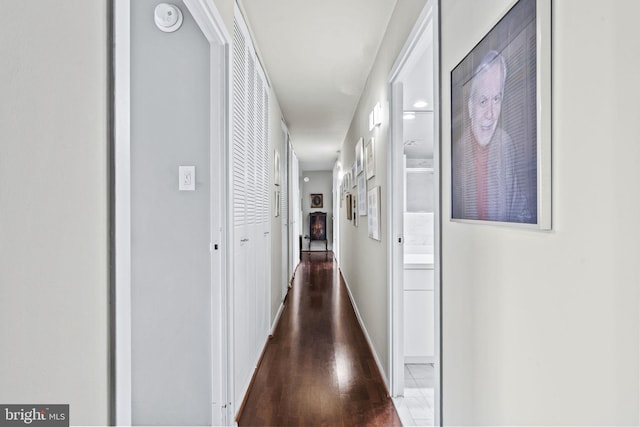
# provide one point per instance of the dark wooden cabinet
(318, 228)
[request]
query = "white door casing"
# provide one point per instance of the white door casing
(426, 27)
(211, 24)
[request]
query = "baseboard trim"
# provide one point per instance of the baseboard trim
(274, 326)
(246, 390)
(279, 313)
(366, 334)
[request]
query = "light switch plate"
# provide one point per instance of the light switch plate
(187, 178)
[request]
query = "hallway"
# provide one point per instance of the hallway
(317, 368)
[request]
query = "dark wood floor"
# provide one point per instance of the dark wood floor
(318, 368)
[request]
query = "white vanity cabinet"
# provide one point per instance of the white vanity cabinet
(419, 318)
(418, 282)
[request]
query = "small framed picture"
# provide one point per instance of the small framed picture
(359, 157)
(354, 175)
(316, 201)
(370, 158)
(276, 168)
(349, 210)
(362, 195)
(373, 222)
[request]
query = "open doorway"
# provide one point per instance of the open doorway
(170, 327)
(415, 217)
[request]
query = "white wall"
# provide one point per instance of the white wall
(541, 328)
(54, 206)
(364, 260)
(320, 182)
(170, 229)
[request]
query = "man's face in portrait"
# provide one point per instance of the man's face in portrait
(485, 103)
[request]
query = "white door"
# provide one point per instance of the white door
(251, 210)
(414, 210)
(284, 208)
(171, 238)
(336, 211)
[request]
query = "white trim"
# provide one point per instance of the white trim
(212, 26)
(395, 224)
(122, 166)
(366, 333)
(437, 244)
(277, 319)
(394, 274)
(285, 225)
(245, 387)
(210, 22)
(543, 87)
(428, 17)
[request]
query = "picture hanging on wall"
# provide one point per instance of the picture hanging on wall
(276, 168)
(349, 209)
(501, 122)
(359, 156)
(354, 209)
(316, 201)
(354, 175)
(362, 195)
(373, 221)
(370, 159)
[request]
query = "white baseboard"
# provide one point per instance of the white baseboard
(277, 318)
(245, 387)
(366, 334)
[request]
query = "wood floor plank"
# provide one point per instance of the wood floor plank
(318, 369)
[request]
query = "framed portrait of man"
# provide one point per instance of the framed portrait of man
(500, 122)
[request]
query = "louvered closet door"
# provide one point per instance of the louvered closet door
(244, 304)
(252, 246)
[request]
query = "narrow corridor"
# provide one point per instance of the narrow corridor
(318, 368)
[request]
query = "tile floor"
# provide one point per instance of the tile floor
(416, 407)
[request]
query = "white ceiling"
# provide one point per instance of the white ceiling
(317, 55)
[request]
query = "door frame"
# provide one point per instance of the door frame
(284, 214)
(427, 21)
(212, 25)
(337, 171)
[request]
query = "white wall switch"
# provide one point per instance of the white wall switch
(187, 178)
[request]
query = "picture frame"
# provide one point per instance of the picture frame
(354, 209)
(370, 158)
(316, 200)
(359, 157)
(362, 195)
(373, 220)
(354, 175)
(502, 136)
(346, 181)
(349, 209)
(276, 168)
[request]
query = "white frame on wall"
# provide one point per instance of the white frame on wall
(212, 25)
(543, 117)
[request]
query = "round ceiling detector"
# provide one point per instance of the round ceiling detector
(168, 17)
